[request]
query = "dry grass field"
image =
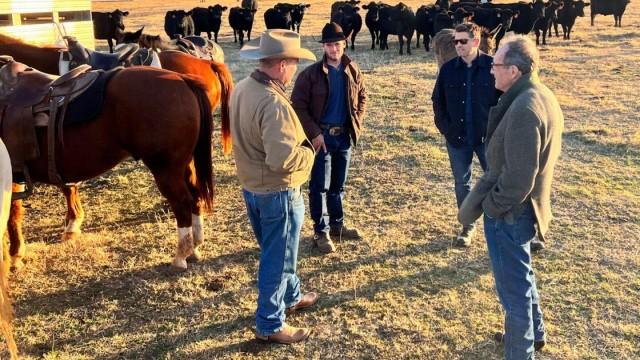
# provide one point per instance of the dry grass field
(404, 292)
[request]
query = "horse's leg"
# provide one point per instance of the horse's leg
(174, 188)
(75, 213)
(196, 213)
(110, 45)
(17, 247)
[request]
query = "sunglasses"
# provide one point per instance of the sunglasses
(460, 41)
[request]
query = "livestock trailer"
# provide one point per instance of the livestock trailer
(43, 22)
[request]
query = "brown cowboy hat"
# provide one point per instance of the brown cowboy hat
(276, 44)
(332, 32)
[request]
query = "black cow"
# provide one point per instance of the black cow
(397, 20)
(609, 7)
(208, 20)
(178, 23)
(372, 19)
(278, 18)
(108, 25)
(444, 4)
(297, 13)
(350, 21)
(424, 25)
(527, 15)
(571, 9)
(290, 16)
(249, 4)
(543, 26)
(498, 21)
(336, 5)
(241, 20)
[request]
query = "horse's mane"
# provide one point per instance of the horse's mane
(8, 40)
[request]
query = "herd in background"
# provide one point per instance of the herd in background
(382, 20)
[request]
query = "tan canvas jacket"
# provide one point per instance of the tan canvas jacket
(271, 150)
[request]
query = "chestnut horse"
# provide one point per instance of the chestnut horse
(170, 132)
(218, 85)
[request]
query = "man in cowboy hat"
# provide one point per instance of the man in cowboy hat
(330, 97)
(273, 158)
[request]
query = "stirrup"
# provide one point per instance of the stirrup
(26, 185)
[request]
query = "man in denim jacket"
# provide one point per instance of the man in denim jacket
(462, 96)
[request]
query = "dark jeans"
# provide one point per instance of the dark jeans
(326, 186)
(276, 219)
(509, 250)
(461, 160)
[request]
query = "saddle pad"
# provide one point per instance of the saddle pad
(88, 105)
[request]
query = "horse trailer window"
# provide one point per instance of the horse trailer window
(66, 16)
(36, 18)
(6, 20)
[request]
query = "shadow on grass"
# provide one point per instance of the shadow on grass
(591, 140)
(118, 288)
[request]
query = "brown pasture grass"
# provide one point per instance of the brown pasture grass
(404, 292)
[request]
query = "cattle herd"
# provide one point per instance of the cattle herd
(382, 20)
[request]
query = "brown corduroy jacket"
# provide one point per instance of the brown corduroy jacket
(310, 93)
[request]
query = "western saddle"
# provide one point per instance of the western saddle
(79, 55)
(30, 98)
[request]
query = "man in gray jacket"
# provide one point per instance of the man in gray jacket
(523, 144)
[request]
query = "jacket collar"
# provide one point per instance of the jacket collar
(524, 83)
(265, 79)
(480, 61)
(345, 60)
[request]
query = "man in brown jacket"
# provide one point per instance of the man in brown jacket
(524, 134)
(329, 97)
(273, 158)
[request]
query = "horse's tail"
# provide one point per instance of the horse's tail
(226, 86)
(202, 157)
(6, 310)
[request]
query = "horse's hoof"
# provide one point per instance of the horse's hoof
(70, 236)
(195, 256)
(178, 265)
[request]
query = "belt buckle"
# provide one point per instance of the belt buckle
(335, 130)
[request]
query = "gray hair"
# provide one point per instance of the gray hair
(522, 53)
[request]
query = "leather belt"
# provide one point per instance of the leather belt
(332, 129)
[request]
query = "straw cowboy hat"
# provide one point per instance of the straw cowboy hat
(276, 44)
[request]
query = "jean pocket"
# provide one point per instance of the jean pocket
(270, 206)
(521, 231)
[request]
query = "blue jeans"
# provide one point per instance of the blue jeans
(276, 219)
(509, 250)
(326, 186)
(461, 160)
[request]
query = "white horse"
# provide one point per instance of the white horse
(6, 310)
